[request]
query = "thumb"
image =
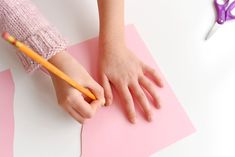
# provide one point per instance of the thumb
(98, 91)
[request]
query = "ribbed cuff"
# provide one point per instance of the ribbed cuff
(46, 42)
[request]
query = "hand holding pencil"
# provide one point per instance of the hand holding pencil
(70, 94)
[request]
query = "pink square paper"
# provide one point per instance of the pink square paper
(109, 134)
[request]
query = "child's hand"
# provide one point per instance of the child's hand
(78, 106)
(130, 77)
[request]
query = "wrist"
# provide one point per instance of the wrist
(111, 43)
(111, 37)
(61, 60)
(58, 58)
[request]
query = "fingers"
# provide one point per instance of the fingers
(87, 110)
(98, 91)
(96, 104)
(107, 90)
(76, 105)
(77, 102)
(125, 94)
(84, 109)
(149, 86)
(140, 96)
(153, 74)
(75, 114)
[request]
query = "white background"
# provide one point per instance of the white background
(200, 72)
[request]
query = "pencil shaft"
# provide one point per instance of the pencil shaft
(29, 52)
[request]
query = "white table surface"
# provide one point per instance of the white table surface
(200, 72)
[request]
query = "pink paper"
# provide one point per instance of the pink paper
(109, 134)
(6, 114)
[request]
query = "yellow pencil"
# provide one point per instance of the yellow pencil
(33, 55)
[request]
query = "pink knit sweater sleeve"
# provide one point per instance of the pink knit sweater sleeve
(23, 20)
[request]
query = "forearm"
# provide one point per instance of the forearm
(111, 14)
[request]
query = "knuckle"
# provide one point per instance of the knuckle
(81, 121)
(123, 80)
(149, 84)
(108, 94)
(120, 81)
(141, 78)
(99, 91)
(140, 95)
(146, 83)
(132, 76)
(65, 100)
(128, 100)
(150, 69)
(61, 103)
(89, 114)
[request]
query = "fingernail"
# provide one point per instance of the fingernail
(133, 120)
(158, 104)
(108, 102)
(149, 117)
(103, 102)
